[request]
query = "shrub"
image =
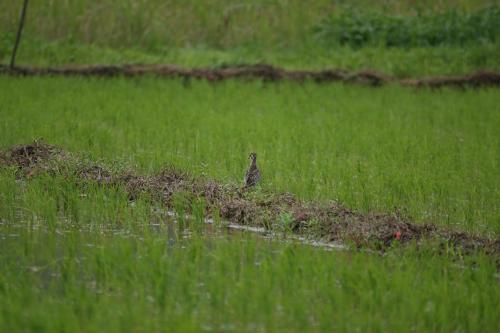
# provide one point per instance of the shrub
(452, 27)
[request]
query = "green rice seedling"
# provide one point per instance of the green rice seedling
(240, 282)
(285, 223)
(431, 154)
(181, 206)
(78, 256)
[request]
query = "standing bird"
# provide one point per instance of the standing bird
(252, 177)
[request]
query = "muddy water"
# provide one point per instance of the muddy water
(212, 229)
(173, 228)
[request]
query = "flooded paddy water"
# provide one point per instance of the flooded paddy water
(209, 277)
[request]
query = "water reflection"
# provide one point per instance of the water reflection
(168, 224)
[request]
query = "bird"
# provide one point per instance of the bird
(252, 176)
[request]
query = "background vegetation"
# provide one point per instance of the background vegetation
(445, 37)
(358, 28)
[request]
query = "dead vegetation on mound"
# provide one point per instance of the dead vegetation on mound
(329, 222)
(32, 158)
(259, 71)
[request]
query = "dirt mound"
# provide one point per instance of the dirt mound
(476, 80)
(95, 173)
(330, 222)
(30, 158)
(259, 71)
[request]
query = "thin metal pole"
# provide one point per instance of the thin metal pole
(18, 36)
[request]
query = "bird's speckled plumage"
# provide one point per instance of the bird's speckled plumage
(252, 177)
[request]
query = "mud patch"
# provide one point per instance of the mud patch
(31, 158)
(330, 222)
(475, 80)
(96, 173)
(25, 156)
(259, 71)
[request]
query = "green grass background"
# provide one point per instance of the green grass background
(196, 33)
(433, 154)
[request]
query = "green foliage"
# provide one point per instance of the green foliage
(281, 33)
(198, 211)
(400, 62)
(79, 257)
(181, 202)
(285, 223)
(357, 28)
(96, 276)
(158, 25)
(433, 154)
(6, 45)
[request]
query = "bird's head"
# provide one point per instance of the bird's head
(252, 156)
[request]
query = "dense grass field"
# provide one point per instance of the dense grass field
(76, 256)
(431, 154)
(81, 258)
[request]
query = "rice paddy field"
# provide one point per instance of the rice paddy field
(81, 252)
